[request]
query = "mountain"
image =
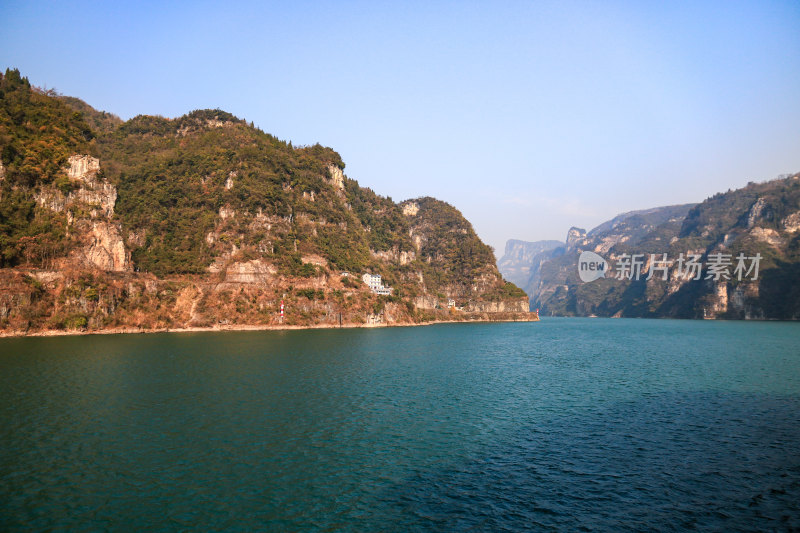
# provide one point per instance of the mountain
(761, 219)
(205, 220)
(519, 258)
(523, 262)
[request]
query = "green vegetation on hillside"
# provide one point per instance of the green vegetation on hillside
(99, 121)
(202, 193)
(174, 176)
(456, 252)
(38, 133)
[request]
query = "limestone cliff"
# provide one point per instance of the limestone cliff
(105, 248)
(85, 187)
(89, 209)
(204, 220)
(761, 218)
(520, 257)
(457, 270)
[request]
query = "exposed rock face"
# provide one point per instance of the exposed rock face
(575, 236)
(507, 306)
(608, 242)
(741, 301)
(254, 272)
(719, 305)
(439, 233)
(519, 258)
(427, 301)
(767, 235)
(633, 225)
(51, 199)
(418, 239)
(106, 249)
(104, 195)
(336, 176)
(229, 180)
(83, 167)
(47, 277)
(738, 222)
(92, 190)
(410, 209)
(755, 212)
(675, 281)
(395, 256)
(792, 222)
(551, 270)
(198, 123)
(519, 305)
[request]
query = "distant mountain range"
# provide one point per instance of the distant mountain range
(760, 220)
(519, 259)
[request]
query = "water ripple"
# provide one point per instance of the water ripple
(573, 425)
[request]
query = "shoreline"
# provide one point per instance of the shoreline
(244, 327)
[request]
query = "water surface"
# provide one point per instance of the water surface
(566, 424)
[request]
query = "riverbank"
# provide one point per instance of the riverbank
(517, 317)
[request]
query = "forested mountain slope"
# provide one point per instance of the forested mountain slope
(205, 220)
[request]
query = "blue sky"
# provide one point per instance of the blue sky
(530, 117)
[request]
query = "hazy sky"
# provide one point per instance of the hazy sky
(530, 117)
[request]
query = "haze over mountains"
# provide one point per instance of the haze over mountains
(760, 219)
(519, 259)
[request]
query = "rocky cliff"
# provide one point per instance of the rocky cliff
(519, 258)
(205, 220)
(455, 267)
(757, 220)
(88, 206)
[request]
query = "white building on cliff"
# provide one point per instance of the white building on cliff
(375, 284)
